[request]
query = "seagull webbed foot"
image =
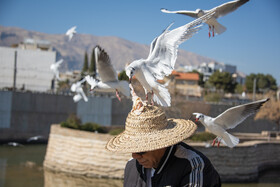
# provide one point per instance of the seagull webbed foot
(152, 101)
(214, 142)
(118, 96)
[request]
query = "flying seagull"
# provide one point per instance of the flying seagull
(220, 11)
(108, 75)
(229, 119)
(161, 60)
(70, 33)
(14, 144)
(77, 87)
(34, 138)
(54, 67)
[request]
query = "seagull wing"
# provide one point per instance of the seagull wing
(184, 12)
(164, 48)
(71, 30)
(230, 118)
(104, 66)
(153, 44)
(59, 62)
(228, 7)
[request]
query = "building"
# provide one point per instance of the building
(185, 83)
(72, 76)
(28, 69)
(207, 69)
(33, 44)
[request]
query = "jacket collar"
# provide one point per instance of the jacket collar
(162, 164)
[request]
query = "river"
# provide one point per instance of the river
(22, 166)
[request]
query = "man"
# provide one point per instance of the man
(160, 158)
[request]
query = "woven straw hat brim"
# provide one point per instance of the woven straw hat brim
(176, 131)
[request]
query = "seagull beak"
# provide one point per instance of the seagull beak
(196, 119)
(130, 80)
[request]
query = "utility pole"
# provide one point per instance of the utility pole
(254, 89)
(15, 71)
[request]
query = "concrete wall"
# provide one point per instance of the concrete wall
(97, 109)
(25, 114)
(5, 109)
(30, 114)
(83, 154)
(104, 110)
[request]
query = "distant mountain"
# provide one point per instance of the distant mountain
(121, 51)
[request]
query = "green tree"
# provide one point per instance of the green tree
(223, 81)
(92, 66)
(85, 66)
(263, 82)
(122, 76)
(201, 81)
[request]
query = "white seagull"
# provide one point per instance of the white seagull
(70, 33)
(229, 119)
(54, 67)
(108, 75)
(161, 60)
(14, 144)
(220, 11)
(34, 138)
(77, 87)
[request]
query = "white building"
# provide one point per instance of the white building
(32, 68)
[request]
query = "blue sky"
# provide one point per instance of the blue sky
(251, 42)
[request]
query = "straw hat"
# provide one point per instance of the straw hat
(149, 130)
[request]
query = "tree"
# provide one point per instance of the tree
(223, 81)
(264, 83)
(122, 76)
(270, 111)
(85, 66)
(92, 67)
(200, 82)
(64, 86)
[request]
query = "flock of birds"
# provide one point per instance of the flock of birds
(160, 63)
(29, 140)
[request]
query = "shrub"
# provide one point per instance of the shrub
(72, 122)
(116, 131)
(93, 127)
(213, 97)
(202, 137)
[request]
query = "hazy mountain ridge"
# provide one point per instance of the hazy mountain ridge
(121, 51)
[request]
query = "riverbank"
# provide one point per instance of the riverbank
(83, 154)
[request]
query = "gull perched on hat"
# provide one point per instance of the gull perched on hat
(161, 60)
(220, 11)
(147, 129)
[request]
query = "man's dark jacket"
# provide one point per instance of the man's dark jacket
(181, 165)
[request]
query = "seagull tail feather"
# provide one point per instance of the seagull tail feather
(124, 88)
(230, 140)
(219, 28)
(162, 96)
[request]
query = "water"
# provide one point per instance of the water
(23, 167)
